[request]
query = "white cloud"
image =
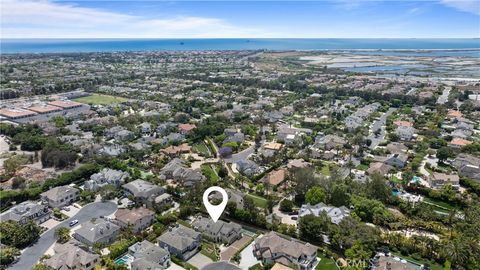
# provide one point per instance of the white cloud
(45, 19)
(471, 6)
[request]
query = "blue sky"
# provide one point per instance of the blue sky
(230, 19)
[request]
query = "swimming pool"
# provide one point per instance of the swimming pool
(124, 260)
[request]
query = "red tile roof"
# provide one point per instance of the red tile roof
(460, 142)
(403, 123)
(186, 127)
(16, 113)
(65, 103)
(44, 108)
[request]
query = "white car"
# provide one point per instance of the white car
(73, 222)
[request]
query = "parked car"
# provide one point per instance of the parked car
(73, 222)
(66, 208)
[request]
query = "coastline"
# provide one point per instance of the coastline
(26, 46)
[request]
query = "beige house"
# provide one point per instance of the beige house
(60, 196)
(71, 256)
(273, 248)
(439, 180)
(139, 218)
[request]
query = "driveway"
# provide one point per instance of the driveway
(243, 155)
(227, 254)
(286, 218)
(33, 253)
(247, 258)
(199, 260)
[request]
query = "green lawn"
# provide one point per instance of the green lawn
(434, 266)
(325, 170)
(211, 175)
(259, 201)
(396, 180)
(184, 223)
(439, 203)
(256, 267)
(202, 149)
(439, 206)
(362, 167)
(96, 99)
(145, 174)
(326, 263)
(208, 249)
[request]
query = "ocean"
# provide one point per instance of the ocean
(458, 47)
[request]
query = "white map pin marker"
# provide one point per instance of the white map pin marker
(215, 211)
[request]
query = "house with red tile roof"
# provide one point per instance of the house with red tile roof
(186, 128)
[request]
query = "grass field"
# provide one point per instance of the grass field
(202, 149)
(434, 266)
(184, 223)
(211, 175)
(208, 249)
(362, 167)
(326, 263)
(439, 203)
(259, 201)
(96, 99)
(256, 267)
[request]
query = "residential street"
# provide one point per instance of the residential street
(241, 155)
(379, 124)
(33, 253)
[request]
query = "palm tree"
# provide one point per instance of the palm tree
(62, 234)
(456, 251)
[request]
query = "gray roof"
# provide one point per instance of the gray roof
(106, 176)
(272, 243)
(215, 228)
(145, 264)
(336, 214)
(68, 255)
(171, 166)
(93, 231)
(55, 192)
(143, 189)
(233, 196)
(220, 266)
(247, 167)
(147, 250)
(179, 237)
(23, 210)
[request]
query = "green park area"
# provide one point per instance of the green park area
(97, 99)
(259, 201)
(326, 263)
(202, 149)
(210, 173)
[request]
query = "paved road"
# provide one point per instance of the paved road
(379, 125)
(32, 254)
(241, 155)
(444, 97)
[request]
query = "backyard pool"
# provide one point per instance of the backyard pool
(124, 260)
